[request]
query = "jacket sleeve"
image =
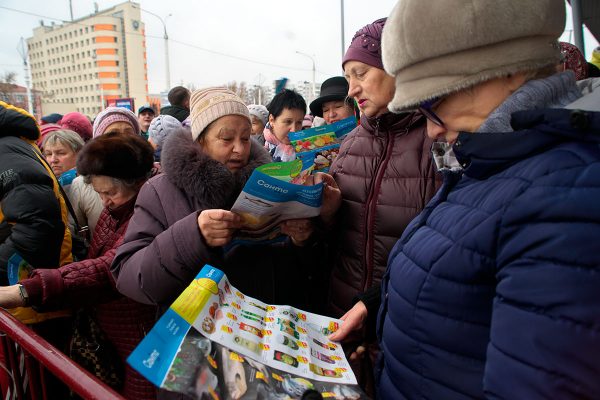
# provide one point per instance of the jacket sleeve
(86, 204)
(156, 261)
(545, 327)
(37, 229)
(87, 282)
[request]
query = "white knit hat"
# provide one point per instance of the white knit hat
(208, 105)
(260, 112)
(437, 47)
(162, 126)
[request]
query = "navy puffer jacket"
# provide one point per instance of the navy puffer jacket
(494, 289)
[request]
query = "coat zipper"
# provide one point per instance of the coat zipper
(371, 206)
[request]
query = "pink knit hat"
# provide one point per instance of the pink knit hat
(210, 104)
(46, 129)
(111, 115)
(79, 123)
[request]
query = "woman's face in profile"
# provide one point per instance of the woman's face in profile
(371, 87)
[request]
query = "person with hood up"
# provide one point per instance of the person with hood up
(492, 291)
(33, 213)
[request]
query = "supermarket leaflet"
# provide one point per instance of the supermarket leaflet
(321, 144)
(274, 193)
(214, 341)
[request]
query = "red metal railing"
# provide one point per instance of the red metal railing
(27, 356)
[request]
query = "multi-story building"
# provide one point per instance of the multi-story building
(81, 65)
(17, 96)
(306, 90)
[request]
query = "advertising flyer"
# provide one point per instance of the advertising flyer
(214, 342)
(274, 193)
(321, 145)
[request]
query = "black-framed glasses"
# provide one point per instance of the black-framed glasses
(426, 108)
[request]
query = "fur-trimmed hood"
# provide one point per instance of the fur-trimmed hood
(202, 178)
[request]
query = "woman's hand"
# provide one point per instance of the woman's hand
(299, 230)
(353, 321)
(332, 197)
(10, 297)
(218, 226)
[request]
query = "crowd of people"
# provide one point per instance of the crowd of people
(456, 238)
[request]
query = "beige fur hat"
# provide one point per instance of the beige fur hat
(437, 47)
(210, 104)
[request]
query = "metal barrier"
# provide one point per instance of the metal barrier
(26, 357)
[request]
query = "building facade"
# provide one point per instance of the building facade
(83, 64)
(17, 96)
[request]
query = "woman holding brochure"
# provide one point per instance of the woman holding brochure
(182, 219)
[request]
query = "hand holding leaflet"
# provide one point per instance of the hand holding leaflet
(275, 193)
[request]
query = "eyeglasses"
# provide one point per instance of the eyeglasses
(426, 108)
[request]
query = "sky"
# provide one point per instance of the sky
(216, 42)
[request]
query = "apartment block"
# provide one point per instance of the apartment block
(83, 64)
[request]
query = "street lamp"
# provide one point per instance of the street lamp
(166, 38)
(313, 71)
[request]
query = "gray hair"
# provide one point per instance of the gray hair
(65, 137)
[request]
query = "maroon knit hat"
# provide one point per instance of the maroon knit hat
(79, 123)
(366, 45)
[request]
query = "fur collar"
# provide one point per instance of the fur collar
(208, 182)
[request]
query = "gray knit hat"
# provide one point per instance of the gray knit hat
(210, 104)
(162, 126)
(437, 47)
(260, 112)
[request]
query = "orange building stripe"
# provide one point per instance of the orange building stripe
(107, 75)
(106, 63)
(110, 86)
(105, 39)
(104, 27)
(106, 51)
(111, 97)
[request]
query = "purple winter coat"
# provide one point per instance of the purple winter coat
(163, 249)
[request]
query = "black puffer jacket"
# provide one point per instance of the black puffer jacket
(33, 214)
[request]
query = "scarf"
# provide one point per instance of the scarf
(286, 151)
(555, 91)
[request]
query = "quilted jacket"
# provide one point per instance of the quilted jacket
(493, 290)
(386, 176)
(90, 283)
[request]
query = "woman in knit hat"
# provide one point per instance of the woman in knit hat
(116, 119)
(386, 176)
(117, 166)
(493, 290)
(260, 116)
(182, 219)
